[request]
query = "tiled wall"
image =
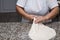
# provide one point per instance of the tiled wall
(10, 17)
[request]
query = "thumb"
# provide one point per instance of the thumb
(34, 19)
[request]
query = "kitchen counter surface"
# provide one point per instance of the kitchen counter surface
(19, 31)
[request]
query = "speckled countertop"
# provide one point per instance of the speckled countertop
(19, 31)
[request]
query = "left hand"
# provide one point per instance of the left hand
(40, 19)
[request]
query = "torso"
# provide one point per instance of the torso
(36, 7)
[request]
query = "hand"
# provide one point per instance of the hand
(40, 19)
(30, 17)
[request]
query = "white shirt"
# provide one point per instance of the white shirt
(40, 7)
(37, 6)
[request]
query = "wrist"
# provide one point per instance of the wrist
(27, 16)
(46, 17)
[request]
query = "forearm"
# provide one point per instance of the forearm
(53, 13)
(21, 11)
(24, 14)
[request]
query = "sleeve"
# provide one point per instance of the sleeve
(21, 3)
(52, 3)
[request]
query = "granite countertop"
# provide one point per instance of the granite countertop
(19, 31)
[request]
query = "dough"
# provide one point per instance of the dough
(41, 32)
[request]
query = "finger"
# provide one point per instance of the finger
(37, 21)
